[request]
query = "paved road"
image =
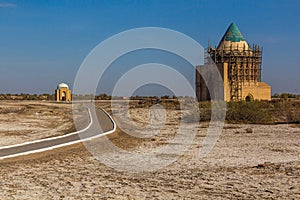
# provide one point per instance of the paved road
(94, 130)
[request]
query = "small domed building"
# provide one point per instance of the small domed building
(63, 93)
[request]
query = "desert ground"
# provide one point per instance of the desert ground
(248, 161)
(24, 121)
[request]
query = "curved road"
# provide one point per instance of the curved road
(95, 129)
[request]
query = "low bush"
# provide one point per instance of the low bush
(254, 112)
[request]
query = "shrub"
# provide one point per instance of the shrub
(254, 112)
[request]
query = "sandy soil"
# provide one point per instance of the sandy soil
(23, 121)
(248, 162)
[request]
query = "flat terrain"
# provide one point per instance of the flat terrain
(23, 121)
(248, 161)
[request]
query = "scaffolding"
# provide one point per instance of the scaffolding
(244, 66)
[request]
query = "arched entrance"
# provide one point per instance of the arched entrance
(249, 98)
(63, 96)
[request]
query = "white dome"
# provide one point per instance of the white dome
(62, 85)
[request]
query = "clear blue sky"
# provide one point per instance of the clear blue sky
(44, 42)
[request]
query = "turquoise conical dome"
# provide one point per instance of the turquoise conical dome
(233, 39)
(233, 34)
